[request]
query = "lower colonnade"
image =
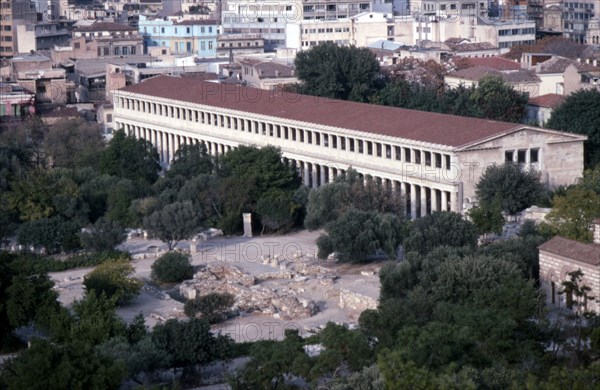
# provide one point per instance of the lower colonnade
(420, 199)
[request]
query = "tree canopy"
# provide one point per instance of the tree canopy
(357, 235)
(174, 222)
(512, 187)
(573, 214)
(73, 144)
(440, 229)
(338, 72)
(580, 113)
(130, 158)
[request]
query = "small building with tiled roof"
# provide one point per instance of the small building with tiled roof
(559, 256)
(521, 80)
(266, 74)
(433, 160)
(540, 108)
(500, 64)
(560, 75)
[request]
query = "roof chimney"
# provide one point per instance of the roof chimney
(596, 229)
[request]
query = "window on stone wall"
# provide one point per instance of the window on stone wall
(417, 157)
(522, 156)
(534, 156)
(509, 156)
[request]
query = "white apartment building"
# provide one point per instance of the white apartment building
(270, 17)
(433, 160)
(359, 30)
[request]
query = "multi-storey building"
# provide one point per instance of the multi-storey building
(359, 30)
(270, 17)
(197, 37)
(229, 45)
(106, 39)
(577, 15)
(433, 160)
(41, 36)
(12, 11)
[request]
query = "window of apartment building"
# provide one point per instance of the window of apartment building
(175, 30)
(388, 151)
(187, 30)
(428, 159)
(351, 144)
(417, 157)
(117, 51)
(378, 149)
(162, 30)
(132, 50)
(210, 29)
(369, 148)
(325, 140)
(202, 29)
(203, 45)
(210, 45)
(343, 143)
(125, 50)
(407, 156)
(360, 146)
(309, 137)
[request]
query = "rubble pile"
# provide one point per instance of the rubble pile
(280, 302)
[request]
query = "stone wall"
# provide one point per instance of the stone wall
(356, 301)
(554, 269)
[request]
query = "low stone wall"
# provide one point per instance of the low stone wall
(353, 300)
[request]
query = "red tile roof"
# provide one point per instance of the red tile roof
(414, 125)
(571, 249)
(497, 63)
(551, 100)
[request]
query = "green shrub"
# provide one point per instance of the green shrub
(172, 267)
(30, 264)
(112, 278)
(211, 307)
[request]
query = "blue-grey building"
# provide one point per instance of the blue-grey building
(198, 37)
